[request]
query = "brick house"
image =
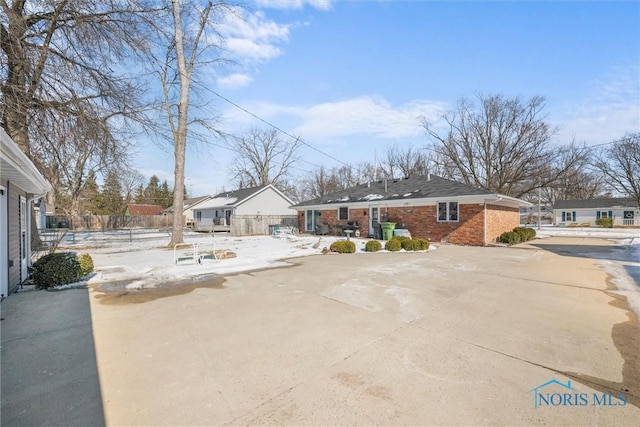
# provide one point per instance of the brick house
(430, 207)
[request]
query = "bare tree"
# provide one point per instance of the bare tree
(58, 75)
(620, 165)
(187, 43)
(262, 158)
(72, 150)
(504, 145)
(400, 162)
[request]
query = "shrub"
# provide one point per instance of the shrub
(510, 238)
(58, 268)
(393, 245)
(372, 246)
(86, 264)
(400, 238)
(525, 233)
(605, 222)
(424, 244)
(410, 245)
(343, 247)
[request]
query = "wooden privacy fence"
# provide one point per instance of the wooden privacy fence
(247, 225)
(109, 222)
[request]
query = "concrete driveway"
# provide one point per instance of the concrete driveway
(457, 336)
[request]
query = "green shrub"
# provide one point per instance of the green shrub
(410, 245)
(372, 246)
(424, 244)
(58, 268)
(393, 245)
(400, 238)
(343, 247)
(525, 233)
(86, 264)
(605, 222)
(510, 238)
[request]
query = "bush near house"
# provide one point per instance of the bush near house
(517, 235)
(424, 244)
(510, 238)
(86, 264)
(393, 245)
(605, 222)
(525, 233)
(372, 246)
(410, 245)
(55, 269)
(343, 247)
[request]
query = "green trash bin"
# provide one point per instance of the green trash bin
(387, 230)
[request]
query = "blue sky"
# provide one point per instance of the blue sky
(351, 78)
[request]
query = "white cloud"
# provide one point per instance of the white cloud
(295, 4)
(234, 81)
(366, 116)
(610, 111)
(251, 37)
(328, 122)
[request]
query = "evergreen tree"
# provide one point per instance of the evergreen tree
(166, 195)
(139, 195)
(152, 194)
(111, 196)
(90, 195)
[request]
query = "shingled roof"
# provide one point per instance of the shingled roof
(415, 187)
(596, 203)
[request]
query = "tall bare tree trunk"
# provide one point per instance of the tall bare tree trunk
(180, 133)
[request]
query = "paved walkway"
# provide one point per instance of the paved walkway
(457, 336)
(49, 373)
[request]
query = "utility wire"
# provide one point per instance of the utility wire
(276, 127)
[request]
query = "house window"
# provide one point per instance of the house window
(447, 211)
(198, 215)
(343, 214)
(569, 216)
(604, 214)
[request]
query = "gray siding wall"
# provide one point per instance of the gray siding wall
(13, 220)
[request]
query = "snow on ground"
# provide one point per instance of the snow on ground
(623, 264)
(147, 262)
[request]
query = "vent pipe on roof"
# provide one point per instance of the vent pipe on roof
(385, 187)
(428, 177)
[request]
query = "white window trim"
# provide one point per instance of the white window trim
(448, 204)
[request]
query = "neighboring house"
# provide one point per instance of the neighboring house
(529, 215)
(20, 185)
(188, 207)
(428, 206)
(623, 211)
(262, 200)
(142, 210)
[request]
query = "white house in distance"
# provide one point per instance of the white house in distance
(20, 185)
(623, 211)
(188, 207)
(264, 200)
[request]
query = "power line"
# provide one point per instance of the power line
(276, 127)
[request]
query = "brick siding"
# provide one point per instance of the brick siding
(499, 220)
(422, 222)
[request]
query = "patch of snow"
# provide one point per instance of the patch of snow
(372, 197)
(406, 195)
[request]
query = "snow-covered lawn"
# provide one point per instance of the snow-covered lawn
(147, 262)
